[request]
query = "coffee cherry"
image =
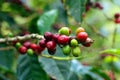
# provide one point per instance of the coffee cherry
(76, 51)
(33, 46)
(14, 42)
(80, 29)
(55, 37)
(51, 52)
(88, 42)
(39, 50)
(82, 36)
(48, 35)
(117, 15)
(110, 58)
(30, 52)
(10, 34)
(64, 31)
(18, 45)
(98, 5)
(51, 45)
(22, 50)
(42, 43)
(117, 21)
(63, 39)
(66, 50)
(27, 44)
(74, 42)
(71, 37)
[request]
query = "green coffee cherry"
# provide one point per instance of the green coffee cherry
(74, 42)
(110, 58)
(10, 34)
(66, 50)
(18, 45)
(64, 31)
(30, 52)
(76, 51)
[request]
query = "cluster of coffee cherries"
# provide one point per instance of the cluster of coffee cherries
(117, 18)
(70, 45)
(93, 5)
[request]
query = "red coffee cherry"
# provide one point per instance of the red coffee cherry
(27, 44)
(39, 50)
(51, 45)
(22, 50)
(42, 43)
(52, 52)
(48, 35)
(55, 37)
(82, 36)
(117, 21)
(117, 15)
(88, 42)
(63, 39)
(98, 5)
(33, 46)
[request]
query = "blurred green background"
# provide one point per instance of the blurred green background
(101, 61)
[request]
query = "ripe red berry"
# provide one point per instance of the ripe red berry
(22, 50)
(33, 46)
(42, 43)
(55, 37)
(39, 49)
(27, 44)
(63, 39)
(88, 42)
(117, 21)
(48, 35)
(82, 36)
(51, 45)
(117, 15)
(52, 52)
(98, 5)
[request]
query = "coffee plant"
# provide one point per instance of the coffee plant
(59, 40)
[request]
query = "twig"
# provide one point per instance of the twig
(6, 48)
(60, 58)
(21, 38)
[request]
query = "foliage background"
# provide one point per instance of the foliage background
(38, 16)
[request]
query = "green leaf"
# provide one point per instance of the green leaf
(100, 73)
(76, 8)
(5, 17)
(6, 57)
(60, 70)
(88, 72)
(46, 20)
(30, 69)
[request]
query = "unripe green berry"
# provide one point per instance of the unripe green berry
(74, 42)
(110, 58)
(66, 50)
(64, 31)
(30, 52)
(76, 51)
(10, 34)
(18, 45)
